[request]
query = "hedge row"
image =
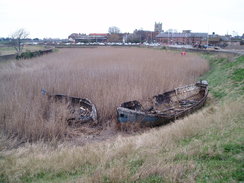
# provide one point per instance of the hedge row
(30, 54)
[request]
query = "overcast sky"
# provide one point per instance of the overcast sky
(60, 18)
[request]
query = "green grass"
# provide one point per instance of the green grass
(226, 163)
(226, 77)
(238, 74)
(60, 176)
(220, 156)
(134, 165)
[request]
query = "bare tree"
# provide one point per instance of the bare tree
(17, 39)
(113, 30)
(115, 38)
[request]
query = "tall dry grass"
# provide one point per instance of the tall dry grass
(107, 76)
(155, 151)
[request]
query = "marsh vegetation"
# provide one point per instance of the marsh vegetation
(107, 76)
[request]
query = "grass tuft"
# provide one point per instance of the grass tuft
(238, 75)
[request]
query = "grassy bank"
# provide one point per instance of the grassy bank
(226, 76)
(206, 146)
(6, 50)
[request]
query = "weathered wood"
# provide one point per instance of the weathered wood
(167, 106)
(81, 110)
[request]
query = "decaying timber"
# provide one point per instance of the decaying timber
(81, 110)
(166, 107)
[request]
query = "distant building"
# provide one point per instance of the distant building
(94, 37)
(98, 37)
(140, 36)
(186, 38)
(158, 27)
(186, 31)
(223, 41)
(74, 36)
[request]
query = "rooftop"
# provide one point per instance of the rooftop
(178, 35)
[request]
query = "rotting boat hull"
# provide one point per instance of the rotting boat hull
(165, 107)
(81, 110)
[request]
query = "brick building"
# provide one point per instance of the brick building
(186, 37)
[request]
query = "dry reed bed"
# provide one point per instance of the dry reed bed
(107, 76)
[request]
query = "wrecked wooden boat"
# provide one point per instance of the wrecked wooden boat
(81, 110)
(166, 107)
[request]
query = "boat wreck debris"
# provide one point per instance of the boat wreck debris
(81, 110)
(165, 107)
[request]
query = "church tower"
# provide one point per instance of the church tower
(158, 27)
